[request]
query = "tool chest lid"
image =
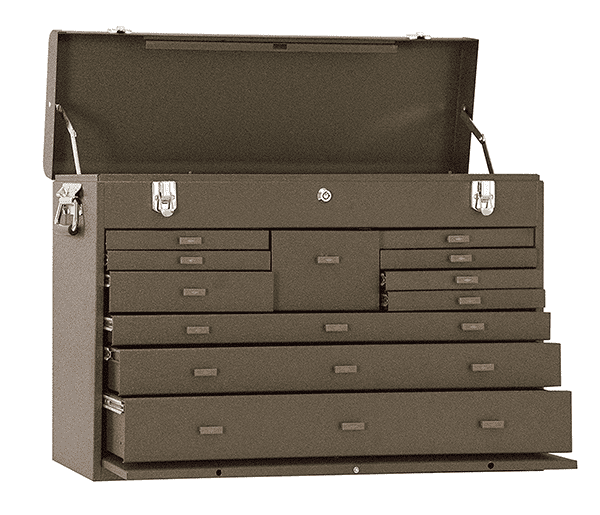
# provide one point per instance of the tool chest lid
(152, 103)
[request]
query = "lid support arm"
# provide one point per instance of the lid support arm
(73, 135)
(480, 137)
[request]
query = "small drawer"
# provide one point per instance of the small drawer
(188, 260)
(460, 300)
(188, 240)
(190, 291)
(338, 424)
(457, 238)
(205, 370)
(470, 258)
(456, 280)
(128, 330)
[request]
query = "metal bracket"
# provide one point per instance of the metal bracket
(483, 197)
(113, 404)
(164, 197)
(69, 204)
(480, 137)
(418, 35)
(73, 135)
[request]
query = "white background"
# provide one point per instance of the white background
(537, 103)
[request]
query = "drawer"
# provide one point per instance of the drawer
(127, 330)
(472, 280)
(188, 260)
(460, 300)
(326, 270)
(188, 240)
(190, 291)
(470, 258)
(333, 368)
(457, 238)
(339, 424)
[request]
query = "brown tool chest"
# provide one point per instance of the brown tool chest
(269, 259)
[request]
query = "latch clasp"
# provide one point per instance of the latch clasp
(164, 197)
(483, 197)
(69, 204)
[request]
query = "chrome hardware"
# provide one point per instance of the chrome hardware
(324, 195)
(69, 204)
(108, 324)
(73, 135)
(107, 353)
(119, 30)
(418, 35)
(164, 197)
(483, 197)
(113, 404)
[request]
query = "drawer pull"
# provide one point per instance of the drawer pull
(328, 260)
(345, 369)
(492, 424)
(205, 372)
(482, 367)
(469, 300)
(191, 260)
(353, 426)
(211, 430)
(194, 292)
(336, 328)
(467, 279)
(190, 240)
(198, 330)
(473, 327)
(461, 258)
(462, 238)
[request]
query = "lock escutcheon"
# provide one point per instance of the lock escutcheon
(324, 195)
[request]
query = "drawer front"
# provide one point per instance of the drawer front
(187, 240)
(471, 258)
(333, 368)
(326, 270)
(289, 200)
(328, 327)
(471, 280)
(190, 291)
(461, 300)
(188, 260)
(339, 424)
(457, 238)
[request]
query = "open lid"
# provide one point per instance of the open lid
(142, 103)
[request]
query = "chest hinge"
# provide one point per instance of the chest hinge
(483, 197)
(164, 197)
(113, 404)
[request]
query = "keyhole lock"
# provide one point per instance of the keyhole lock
(324, 195)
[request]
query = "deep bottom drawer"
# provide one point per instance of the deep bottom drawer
(318, 425)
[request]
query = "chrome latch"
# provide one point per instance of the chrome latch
(113, 404)
(164, 197)
(69, 204)
(483, 197)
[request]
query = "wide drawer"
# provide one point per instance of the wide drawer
(188, 239)
(470, 258)
(127, 330)
(190, 292)
(339, 424)
(456, 280)
(461, 300)
(457, 238)
(333, 368)
(188, 260)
